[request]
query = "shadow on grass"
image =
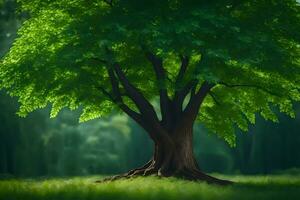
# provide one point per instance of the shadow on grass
(270, 191)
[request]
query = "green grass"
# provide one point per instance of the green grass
(247, 187)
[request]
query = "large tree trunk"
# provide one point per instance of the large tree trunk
(173, 133)
(173, 156)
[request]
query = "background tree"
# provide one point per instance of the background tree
(213, 57)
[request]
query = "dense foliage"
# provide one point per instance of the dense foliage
(249, 49)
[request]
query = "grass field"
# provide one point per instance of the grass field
(84, 188)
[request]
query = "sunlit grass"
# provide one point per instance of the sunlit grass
(247, 187)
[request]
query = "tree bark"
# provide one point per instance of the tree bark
(173, 156)
(173, 134)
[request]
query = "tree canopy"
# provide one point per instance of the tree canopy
(248, 50)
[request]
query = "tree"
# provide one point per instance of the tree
(219, 62)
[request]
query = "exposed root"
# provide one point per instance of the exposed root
(130, 174)
(196, 175)
(146, 170)
(187, 174)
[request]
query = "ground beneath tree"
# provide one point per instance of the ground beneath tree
(283, 187)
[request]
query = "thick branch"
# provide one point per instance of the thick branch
(182, 70)
(191, 111)
(115, 84)
(117, 99)
(190, 86)
(161, 79)
(148, 118)
(136, 96)
(180, 95)
(157, 66)
(150, 121)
